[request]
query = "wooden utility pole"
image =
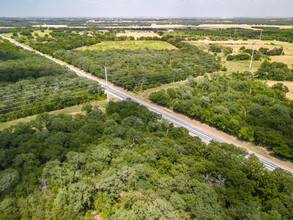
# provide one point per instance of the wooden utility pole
(107, 89)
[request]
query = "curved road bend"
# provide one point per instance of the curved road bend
(193, 130)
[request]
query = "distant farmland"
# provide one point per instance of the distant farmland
(237, 44)
(130, 45)
(138, 34)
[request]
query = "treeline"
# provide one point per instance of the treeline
(131, 164)
(238, 105)
(31, 84)
(141, 69)
(228, 34)
(131, 69)
(245, 54)
(61, 38)
(274, 71)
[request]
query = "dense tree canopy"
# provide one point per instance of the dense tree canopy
(248, 109)
(240, 34)
(31, 84)
(131, 164)
(274, 71)
(140, 69)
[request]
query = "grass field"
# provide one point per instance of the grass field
(70, 110)
(138, 34)
(131, 45)
(244, 65)
(146, 93)
(41, 34)
(7, 35)
(241, 66)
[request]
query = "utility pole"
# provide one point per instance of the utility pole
(174, 76)
(235, 31)
(107, 89)
(260, 35)
(253, 50)
(252, 56)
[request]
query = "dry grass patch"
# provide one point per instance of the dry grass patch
(146, 93)
(138, 34)
(42, 34)
(244, 65)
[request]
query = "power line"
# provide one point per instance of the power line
(40, 89)
(43, 92)
(34, 103)
(40, 105)
(41, 97)
(36, 86)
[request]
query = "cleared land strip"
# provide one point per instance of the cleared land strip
(177, 121)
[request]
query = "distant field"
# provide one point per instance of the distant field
(51, 26)
(245, 26)
(131, 45)
(241, 66)
(244, 65)
(138, 34)
(42, 34)
(7, 35)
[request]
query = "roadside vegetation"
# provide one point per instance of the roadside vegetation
(130, 163)
(239, 105)
(31, 84)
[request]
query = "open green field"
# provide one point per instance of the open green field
(7, 35)
(130, 45)
(244, 65)
(241, 66)
(41, 34)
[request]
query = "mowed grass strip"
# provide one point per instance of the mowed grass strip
(130, 45)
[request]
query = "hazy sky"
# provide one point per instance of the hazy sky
(142, 8)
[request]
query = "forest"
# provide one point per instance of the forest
(241, 34)
(239, 105)
(130, 69)
(146, 68)
(31, 84)
(129, 163)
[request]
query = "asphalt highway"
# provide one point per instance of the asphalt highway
(193, 130)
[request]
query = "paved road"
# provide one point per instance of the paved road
(193, 130)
